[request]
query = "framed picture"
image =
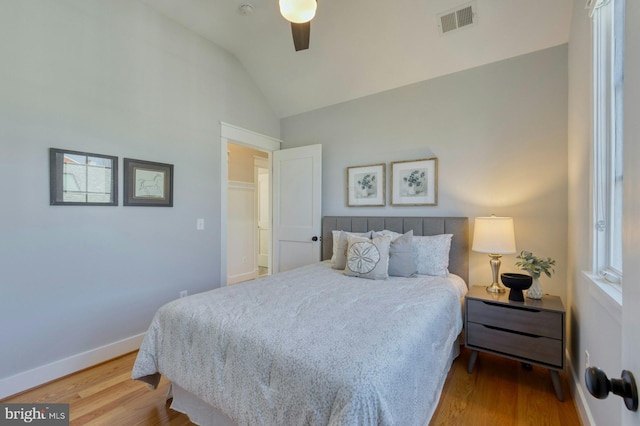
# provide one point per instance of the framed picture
(147, 183)
(82, 179)
(365, 185)
(414, 183)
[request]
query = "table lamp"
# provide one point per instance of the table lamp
(495, 236)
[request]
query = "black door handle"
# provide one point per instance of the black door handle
(314, 238)
(599, 386)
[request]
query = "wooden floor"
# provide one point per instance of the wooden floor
(501, 392)
(498, 392)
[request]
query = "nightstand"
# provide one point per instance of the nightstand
(531, 332)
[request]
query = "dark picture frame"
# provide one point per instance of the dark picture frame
(414, 182)
(78, 178)
(147, 183)
(366, 186)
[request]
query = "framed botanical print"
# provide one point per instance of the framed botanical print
(414, 182)
(366, 185)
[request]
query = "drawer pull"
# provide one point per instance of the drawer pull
(518, 308)
(511, 331)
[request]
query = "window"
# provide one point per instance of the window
(82, 179)
(608, 66)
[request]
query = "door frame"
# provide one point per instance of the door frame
(239, 136)
(631, 208)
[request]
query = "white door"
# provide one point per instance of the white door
(297, 175)
(631, 220)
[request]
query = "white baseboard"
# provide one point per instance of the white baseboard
(40, 375)
(578, 396)
(239, 278)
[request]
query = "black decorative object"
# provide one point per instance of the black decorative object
(516, 283)
(599, 386)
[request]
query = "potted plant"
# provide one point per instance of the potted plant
(535, 266)
(414, 181)
(366, 184)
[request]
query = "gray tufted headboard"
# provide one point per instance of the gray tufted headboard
(458, 226)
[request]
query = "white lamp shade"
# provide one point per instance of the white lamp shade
(298, 11)
(494, 235)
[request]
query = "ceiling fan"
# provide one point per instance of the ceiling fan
(299, 13)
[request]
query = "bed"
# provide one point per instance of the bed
(313, 346)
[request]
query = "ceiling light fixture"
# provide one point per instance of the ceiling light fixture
(298, 11)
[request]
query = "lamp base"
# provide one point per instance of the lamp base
(495, 268)
(495, 288)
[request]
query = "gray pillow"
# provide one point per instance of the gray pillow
(368, 258)
(401, 261)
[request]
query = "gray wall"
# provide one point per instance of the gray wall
(111, 77)
(499, 132)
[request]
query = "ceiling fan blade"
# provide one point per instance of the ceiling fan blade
(301, 34)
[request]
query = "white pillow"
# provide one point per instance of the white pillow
(368, 258)
(339, 256)
(393, 234)
(431, 254)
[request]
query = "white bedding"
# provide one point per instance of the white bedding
(311, 346)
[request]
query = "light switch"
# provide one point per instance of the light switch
(200, 224)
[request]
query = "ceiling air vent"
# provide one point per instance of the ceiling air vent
(462, 16)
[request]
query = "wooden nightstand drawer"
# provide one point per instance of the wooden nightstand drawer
(537, 349)
(525, 320)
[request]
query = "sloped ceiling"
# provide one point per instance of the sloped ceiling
(362, 47)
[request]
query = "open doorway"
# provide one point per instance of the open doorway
(263, 213)
(230, 134)
(248, 218)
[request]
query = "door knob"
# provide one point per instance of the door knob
(314, 238)
(599, 386)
